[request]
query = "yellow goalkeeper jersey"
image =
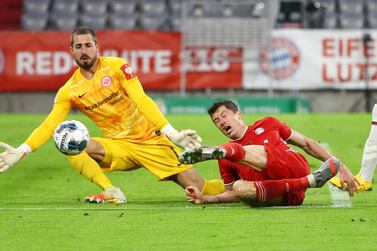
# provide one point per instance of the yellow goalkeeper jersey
(114, 99)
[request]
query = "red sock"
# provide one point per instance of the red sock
(234, 152)
(269, 189)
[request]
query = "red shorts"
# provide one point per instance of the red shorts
(287, 164)
(283, 164)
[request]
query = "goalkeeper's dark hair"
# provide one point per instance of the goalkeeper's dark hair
(227, 103)
(81, 30)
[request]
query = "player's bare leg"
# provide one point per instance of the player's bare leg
(191, 177)
(95, 150)
(87, 165)
(247, 192)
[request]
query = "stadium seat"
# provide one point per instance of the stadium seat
(372, 21)
(64, 7)
(94, 21)
(245, 10)
(351, 6)
(153, 8)
(175, 14)
(175, 23)
(63, 21)
(36, 6)
(121, 7)
(351, 20)
(34, 22)
(121, 22)
(175, 7)
(195, 10)
(371, 13)
(218, 10)
(321, 14)
(328, 6)
(371, 6)
(295, 16)
(94, 7)
(154, 23)
(313, 14)
(330, 21)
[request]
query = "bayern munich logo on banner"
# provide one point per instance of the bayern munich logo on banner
(106, 81)
(280, 59)
(2, 61)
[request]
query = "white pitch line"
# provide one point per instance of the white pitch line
(126, 208)
(339, 198)
(105, 209)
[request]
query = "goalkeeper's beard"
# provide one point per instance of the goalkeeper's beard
(86, 65)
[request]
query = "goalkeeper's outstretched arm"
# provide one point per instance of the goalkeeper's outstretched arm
(11, 155)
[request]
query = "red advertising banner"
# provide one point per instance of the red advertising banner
(41, 61)
(214, 67)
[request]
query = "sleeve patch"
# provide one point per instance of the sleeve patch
(127, 71)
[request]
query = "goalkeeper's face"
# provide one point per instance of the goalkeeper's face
(84, 50)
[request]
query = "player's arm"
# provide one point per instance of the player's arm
(228, 175)
(39, 136)
(314, 149)
(131, 84)
(310, 146)
(45, 131)
(194, 196)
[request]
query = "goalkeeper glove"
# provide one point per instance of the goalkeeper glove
(12, 156)
(186, 139)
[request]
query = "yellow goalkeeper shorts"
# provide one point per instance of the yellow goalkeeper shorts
(159, 156)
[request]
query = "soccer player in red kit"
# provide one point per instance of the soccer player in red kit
(258, 166)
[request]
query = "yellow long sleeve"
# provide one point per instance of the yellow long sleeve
(45, 131)
(145, 104)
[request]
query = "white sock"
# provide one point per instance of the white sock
(311, 180)
(369, 159)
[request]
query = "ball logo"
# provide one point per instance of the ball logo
(106, 81)
(259, 130)
(280, 59)
(2, 61)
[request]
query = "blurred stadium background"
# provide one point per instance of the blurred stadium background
(271, 56)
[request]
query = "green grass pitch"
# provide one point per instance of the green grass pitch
(41, 205)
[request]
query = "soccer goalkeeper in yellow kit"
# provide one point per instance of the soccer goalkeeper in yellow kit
(137, 135)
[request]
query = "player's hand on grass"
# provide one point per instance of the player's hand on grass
(347, 180)
(186, 139)
(9, 157)
(193, 195)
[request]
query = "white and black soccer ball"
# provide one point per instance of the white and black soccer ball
(71, 137)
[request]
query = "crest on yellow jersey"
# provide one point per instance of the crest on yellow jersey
(106, 81)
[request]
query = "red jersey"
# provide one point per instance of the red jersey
(282, 161)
